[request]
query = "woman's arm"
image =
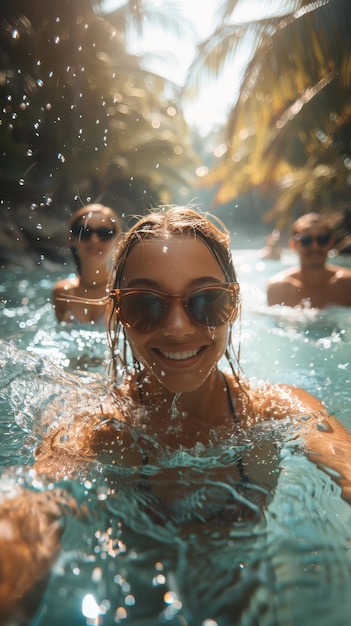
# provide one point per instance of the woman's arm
(32, 522)
(31, 526)
(326, 440)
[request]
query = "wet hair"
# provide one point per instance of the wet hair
(307, 221)
(81, 218)
(162, 222)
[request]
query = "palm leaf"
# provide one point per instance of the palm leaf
(294, 102)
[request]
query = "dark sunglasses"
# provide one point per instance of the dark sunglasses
(143, 310)
(306, 240)
(84, 233)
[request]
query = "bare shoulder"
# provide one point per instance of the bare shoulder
(266, 401)
(284, 276)
(282, 401)
(281, 288)
(341, 273)
(64, 285)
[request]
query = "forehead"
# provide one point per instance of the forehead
(313, 229)
(93, 219)
(172, 259)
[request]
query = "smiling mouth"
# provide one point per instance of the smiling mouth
(179, 356)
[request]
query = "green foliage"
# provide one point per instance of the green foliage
(289, 128)
(79, 116)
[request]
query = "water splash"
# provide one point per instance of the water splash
(174, 412)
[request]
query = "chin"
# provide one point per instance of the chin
(181, 386)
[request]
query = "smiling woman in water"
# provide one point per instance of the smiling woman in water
(173, 301)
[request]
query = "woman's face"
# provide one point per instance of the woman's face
(92, 243)
(179, 353)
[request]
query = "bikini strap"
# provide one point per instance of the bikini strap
(230, 399)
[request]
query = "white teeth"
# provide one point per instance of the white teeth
(179, 356)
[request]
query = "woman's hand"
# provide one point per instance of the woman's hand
(31, 525)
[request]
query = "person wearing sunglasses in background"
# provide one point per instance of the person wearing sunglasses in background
(173, 302)
(92, 233)
(315, 283)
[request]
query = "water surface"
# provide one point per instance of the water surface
(244, 531)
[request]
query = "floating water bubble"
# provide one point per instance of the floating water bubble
(90, 608)
(96, 575)
(121, 613)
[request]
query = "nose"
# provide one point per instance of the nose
(177, 322)
(315, 245)
(94, 236)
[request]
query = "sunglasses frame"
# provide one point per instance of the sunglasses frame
(306, 240)
(103, 233)
(116, 295)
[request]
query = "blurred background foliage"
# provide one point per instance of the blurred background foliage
(84, 119)
(289, 129)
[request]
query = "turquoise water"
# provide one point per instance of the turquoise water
(268, 548)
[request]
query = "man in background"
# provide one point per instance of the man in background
(315, 283)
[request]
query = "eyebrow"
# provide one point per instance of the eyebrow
(153, 284)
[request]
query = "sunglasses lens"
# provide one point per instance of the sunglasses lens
(141, 311)
(305, 240)
(105, 234)
(77, 232)
(211, 307)
(323, 240)
(84, 234)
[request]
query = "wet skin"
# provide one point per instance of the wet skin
(95, 250)
(94, 255)
(315, 255)
(315, 283)
(180, 353)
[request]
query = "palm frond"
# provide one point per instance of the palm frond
(294, 104)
